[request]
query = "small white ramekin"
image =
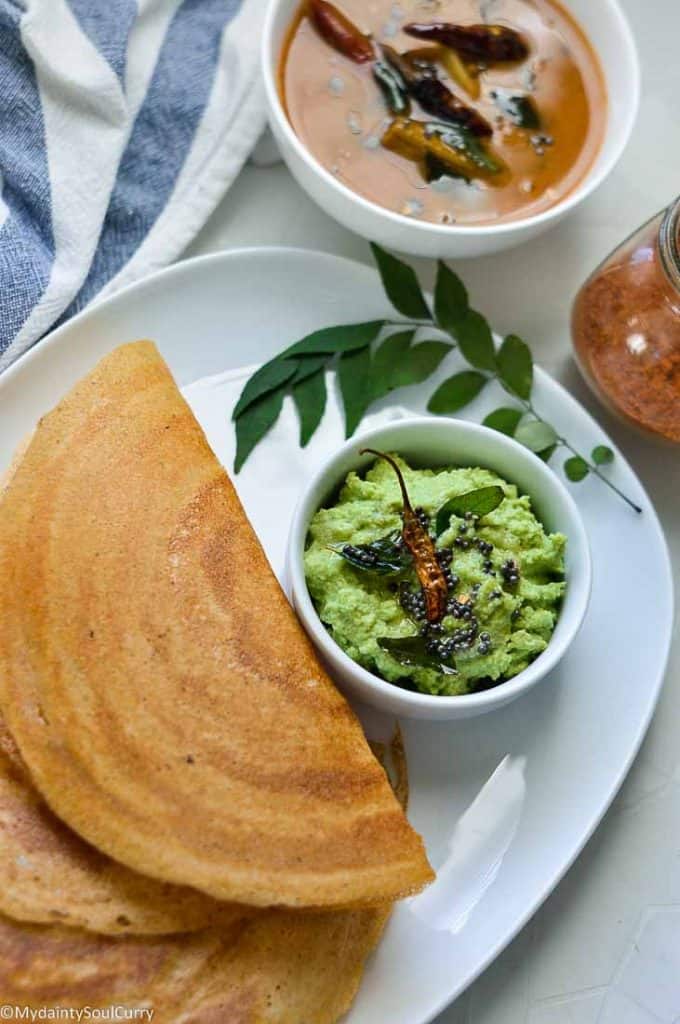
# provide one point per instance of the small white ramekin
(431, 442)
(609, 32)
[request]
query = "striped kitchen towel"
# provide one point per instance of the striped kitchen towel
(122, 123)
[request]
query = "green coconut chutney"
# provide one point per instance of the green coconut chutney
(512, 616)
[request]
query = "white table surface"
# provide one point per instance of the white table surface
(605, 947)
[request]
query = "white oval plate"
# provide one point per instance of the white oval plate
(554, 758)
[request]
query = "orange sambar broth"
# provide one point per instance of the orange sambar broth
(337, 110)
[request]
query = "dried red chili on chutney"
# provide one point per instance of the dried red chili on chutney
(626, 327)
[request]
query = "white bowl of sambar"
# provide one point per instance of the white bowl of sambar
(450, 130)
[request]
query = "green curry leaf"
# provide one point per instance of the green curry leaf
(548, 452)
(456, 392)
(330, 340)
(536, 435)
(356, 387)
(450, 299)
(475, 340)
(269, 377)
(254, 423)
(576, 468)
(602, 455)
(421, 362)
(515, 366)
(387, 359)
(398, 362)
(309, 395)
(505, 420)
(401, 285)
(308, 366)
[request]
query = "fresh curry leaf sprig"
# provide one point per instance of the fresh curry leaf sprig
(370, 365)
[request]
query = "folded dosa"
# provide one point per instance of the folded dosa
(167, 702)
(282, 967)
(49, 874)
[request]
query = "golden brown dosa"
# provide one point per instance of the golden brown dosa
(282, 967)
(49, 874)
(160, 689)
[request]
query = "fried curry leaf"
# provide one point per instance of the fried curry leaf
(479, 502)
(413, 651)
(518, 108)
(457, 137)
(393, 87)
(383, 556)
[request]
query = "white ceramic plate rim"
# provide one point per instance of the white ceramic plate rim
(186, 269)
(589, 184)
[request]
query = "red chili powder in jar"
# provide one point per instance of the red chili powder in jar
(626, 327)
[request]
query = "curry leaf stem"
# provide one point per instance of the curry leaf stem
(528, 405)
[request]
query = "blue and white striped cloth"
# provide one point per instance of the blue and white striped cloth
(122, 123)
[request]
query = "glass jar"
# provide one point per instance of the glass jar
(626, 327)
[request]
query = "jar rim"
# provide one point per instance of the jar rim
(669, 243)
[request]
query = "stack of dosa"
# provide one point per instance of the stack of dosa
(170, 711)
